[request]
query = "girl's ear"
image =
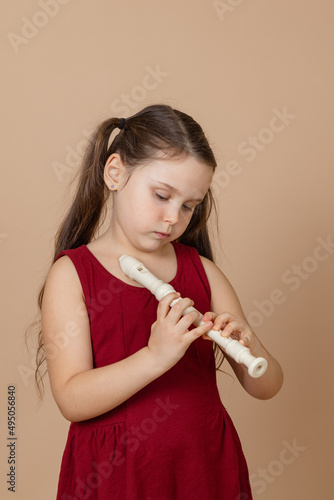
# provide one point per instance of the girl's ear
(112, 171)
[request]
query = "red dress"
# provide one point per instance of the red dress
(173, 440)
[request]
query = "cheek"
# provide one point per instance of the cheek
(143, 211)
(187, 220)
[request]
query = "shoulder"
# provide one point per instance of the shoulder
(224, 297)
(214, 274)
(63, 279)
(62, 300)
(62, 268)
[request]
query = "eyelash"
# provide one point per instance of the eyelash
(162, 198)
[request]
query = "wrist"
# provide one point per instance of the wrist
(153, 364)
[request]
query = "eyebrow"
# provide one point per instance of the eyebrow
(174, 190)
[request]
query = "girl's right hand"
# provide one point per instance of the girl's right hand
(170, 334)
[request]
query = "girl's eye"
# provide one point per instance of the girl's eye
(160, 197)
(184, 207)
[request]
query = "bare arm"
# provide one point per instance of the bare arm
(82, 391)
(228, 315)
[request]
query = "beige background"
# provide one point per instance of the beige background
(233, 69)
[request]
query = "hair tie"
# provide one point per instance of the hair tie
(122, 123)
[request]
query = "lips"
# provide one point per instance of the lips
(162, 235)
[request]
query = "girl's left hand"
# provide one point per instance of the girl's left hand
(234, 327)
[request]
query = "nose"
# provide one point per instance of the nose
(170, 220)
(171, 217)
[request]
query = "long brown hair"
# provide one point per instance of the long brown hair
(157, 131)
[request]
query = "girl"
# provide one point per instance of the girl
(134, 378)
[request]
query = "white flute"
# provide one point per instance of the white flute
(241, 354)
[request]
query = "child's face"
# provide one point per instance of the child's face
(157, 203)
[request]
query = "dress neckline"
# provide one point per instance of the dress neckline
(98, 264)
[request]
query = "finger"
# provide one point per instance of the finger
(244, 341)
(200, 331)
(178, 310)
(222, 320)
(165, 302)
(187, 320)
(209, 316)
(232, 327)
(219, 326)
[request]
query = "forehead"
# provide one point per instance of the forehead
(186, 174)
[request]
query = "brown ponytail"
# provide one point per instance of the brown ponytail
(82, 219)
(157, 131)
